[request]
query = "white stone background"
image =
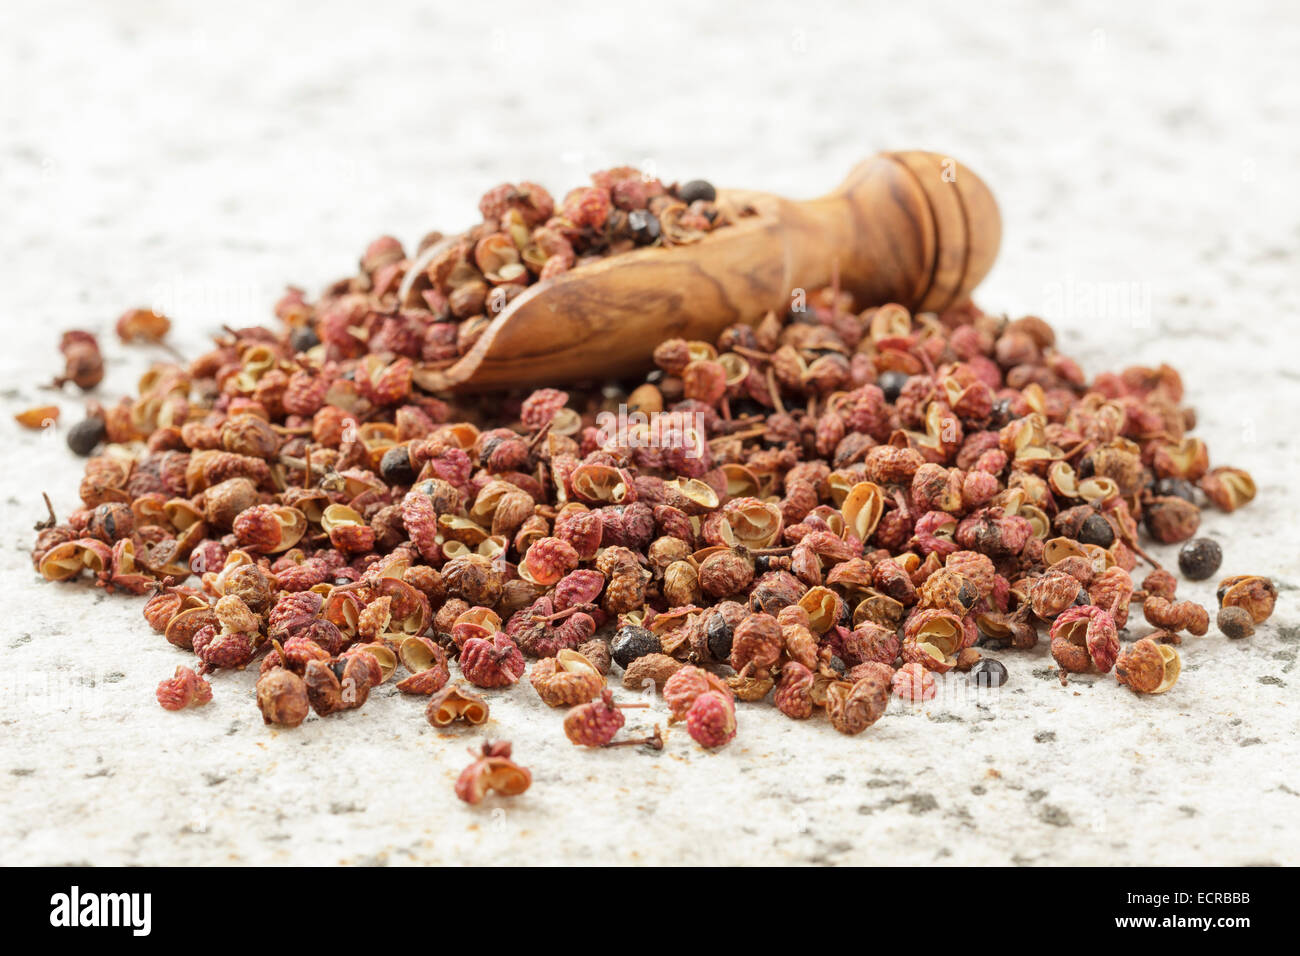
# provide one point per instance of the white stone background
(198, 158)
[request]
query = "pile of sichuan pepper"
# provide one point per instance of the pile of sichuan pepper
(843, 506)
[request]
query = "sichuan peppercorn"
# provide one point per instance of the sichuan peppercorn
(85, 436)
(1096, 530)
(643, 226)
(1176, 487)
(988, 672)
(396, 466)
(1200, 558)
(631, 642)
(1235, 623)
(303, 339)
(697, 189)
(891, 383)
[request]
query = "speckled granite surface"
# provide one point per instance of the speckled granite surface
(1145, 162)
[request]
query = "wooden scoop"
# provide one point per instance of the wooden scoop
(915, 228)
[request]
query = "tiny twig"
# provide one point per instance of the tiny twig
(561, 615)
(776, 392)
(537, 439)
(654, 741)
(52, 520)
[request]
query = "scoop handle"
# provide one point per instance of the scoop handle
(912, 227)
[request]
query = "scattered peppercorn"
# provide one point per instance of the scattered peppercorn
(85, 436)
(83, 363)
(1235, 623)
(492, 771)
(1254, 593)
(40, 417)
(1199, 558)
(988, 672)
(1148, 667)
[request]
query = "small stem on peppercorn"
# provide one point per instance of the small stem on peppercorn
(738, 436)
(736, 423)
(654, 741)
(561, 615)
(537, 439)
(52, 520)
(1131, 541)
(301, 463)
(774, 390)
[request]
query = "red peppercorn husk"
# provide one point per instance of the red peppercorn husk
(492, 771)
(83, 363)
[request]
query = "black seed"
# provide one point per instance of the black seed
(631, 642)
(891, 383)
(1200, 558)
(1087, 468)
(719, 636)
(395, 466)
(108, 517)
(1175, 487)
(837, 665)
(1001, 413)
(697, 189)
(303, 338)
(1236, 623)
(765, 600)
(988, 672)
(337, 667)
(86, 435)
(643, 227)
(1096, 530)
(1083, 600)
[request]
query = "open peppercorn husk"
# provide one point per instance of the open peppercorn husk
(824, 497)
